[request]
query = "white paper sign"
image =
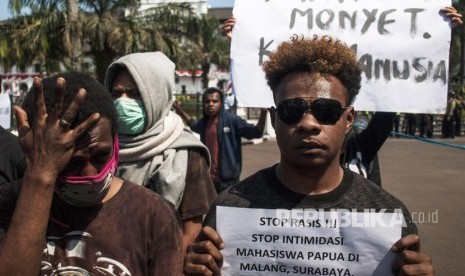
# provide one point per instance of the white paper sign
(402, 45)
(307, 241)
(5, 110)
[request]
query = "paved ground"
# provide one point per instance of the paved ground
(428, 178)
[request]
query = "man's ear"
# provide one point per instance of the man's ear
(272, 111)
(350, 118)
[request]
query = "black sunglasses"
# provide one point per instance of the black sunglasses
(326, 111)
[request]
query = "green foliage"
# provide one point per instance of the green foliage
(191, 104)
(106, 30)
(205, 45)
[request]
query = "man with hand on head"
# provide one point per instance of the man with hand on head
(69, 214)
(314, 82)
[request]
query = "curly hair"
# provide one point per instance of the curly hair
(98, 100)
(323, 55)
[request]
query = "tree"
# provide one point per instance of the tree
(73, 35)
(111, 33)
(8, 55)
(65, 30)
(45, 34)
(206, 46)
(458, 44)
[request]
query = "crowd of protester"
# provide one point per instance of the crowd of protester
(107, 178)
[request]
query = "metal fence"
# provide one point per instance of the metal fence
(192, 104)
(436, 125)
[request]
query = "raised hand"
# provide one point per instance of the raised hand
(410, 260)
(228, 26)
(48, 141)
(453, 14)
(204, 256)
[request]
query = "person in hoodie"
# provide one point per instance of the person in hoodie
(222, 133)
(156, 149)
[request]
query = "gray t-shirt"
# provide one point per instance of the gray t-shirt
(263, 190)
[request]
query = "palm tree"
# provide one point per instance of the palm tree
(457, 51)
(111, 33)
(73, 35)
(206, 46)
(8, 55)
(65, 30)
(45, 34)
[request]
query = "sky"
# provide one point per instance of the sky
(218, 3)
(4, 13)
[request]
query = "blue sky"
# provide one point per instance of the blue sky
(221, 3)
(4, 13)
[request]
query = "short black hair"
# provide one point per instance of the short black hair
(98, 99)
(212, 90)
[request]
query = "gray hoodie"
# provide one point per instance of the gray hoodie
(156, 158)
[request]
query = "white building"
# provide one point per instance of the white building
(188, 82)
(199, 6)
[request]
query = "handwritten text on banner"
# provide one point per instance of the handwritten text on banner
(403, 47)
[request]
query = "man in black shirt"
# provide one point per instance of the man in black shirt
(314, 82)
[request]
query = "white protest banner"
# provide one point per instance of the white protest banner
(5, 110)
(308, 241)
(403, 47)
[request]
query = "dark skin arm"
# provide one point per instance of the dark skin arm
(410, 260)
(191, 229)
(228, 26)
(204, 256)
(261, 120)
(186, 117)
(48, 148)
(178, 108)
(453, 14)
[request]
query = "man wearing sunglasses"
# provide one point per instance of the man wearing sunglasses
(360, 150)
(314, 82)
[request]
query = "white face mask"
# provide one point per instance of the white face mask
(83, 191)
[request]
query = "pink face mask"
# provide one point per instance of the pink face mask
(84, 191)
